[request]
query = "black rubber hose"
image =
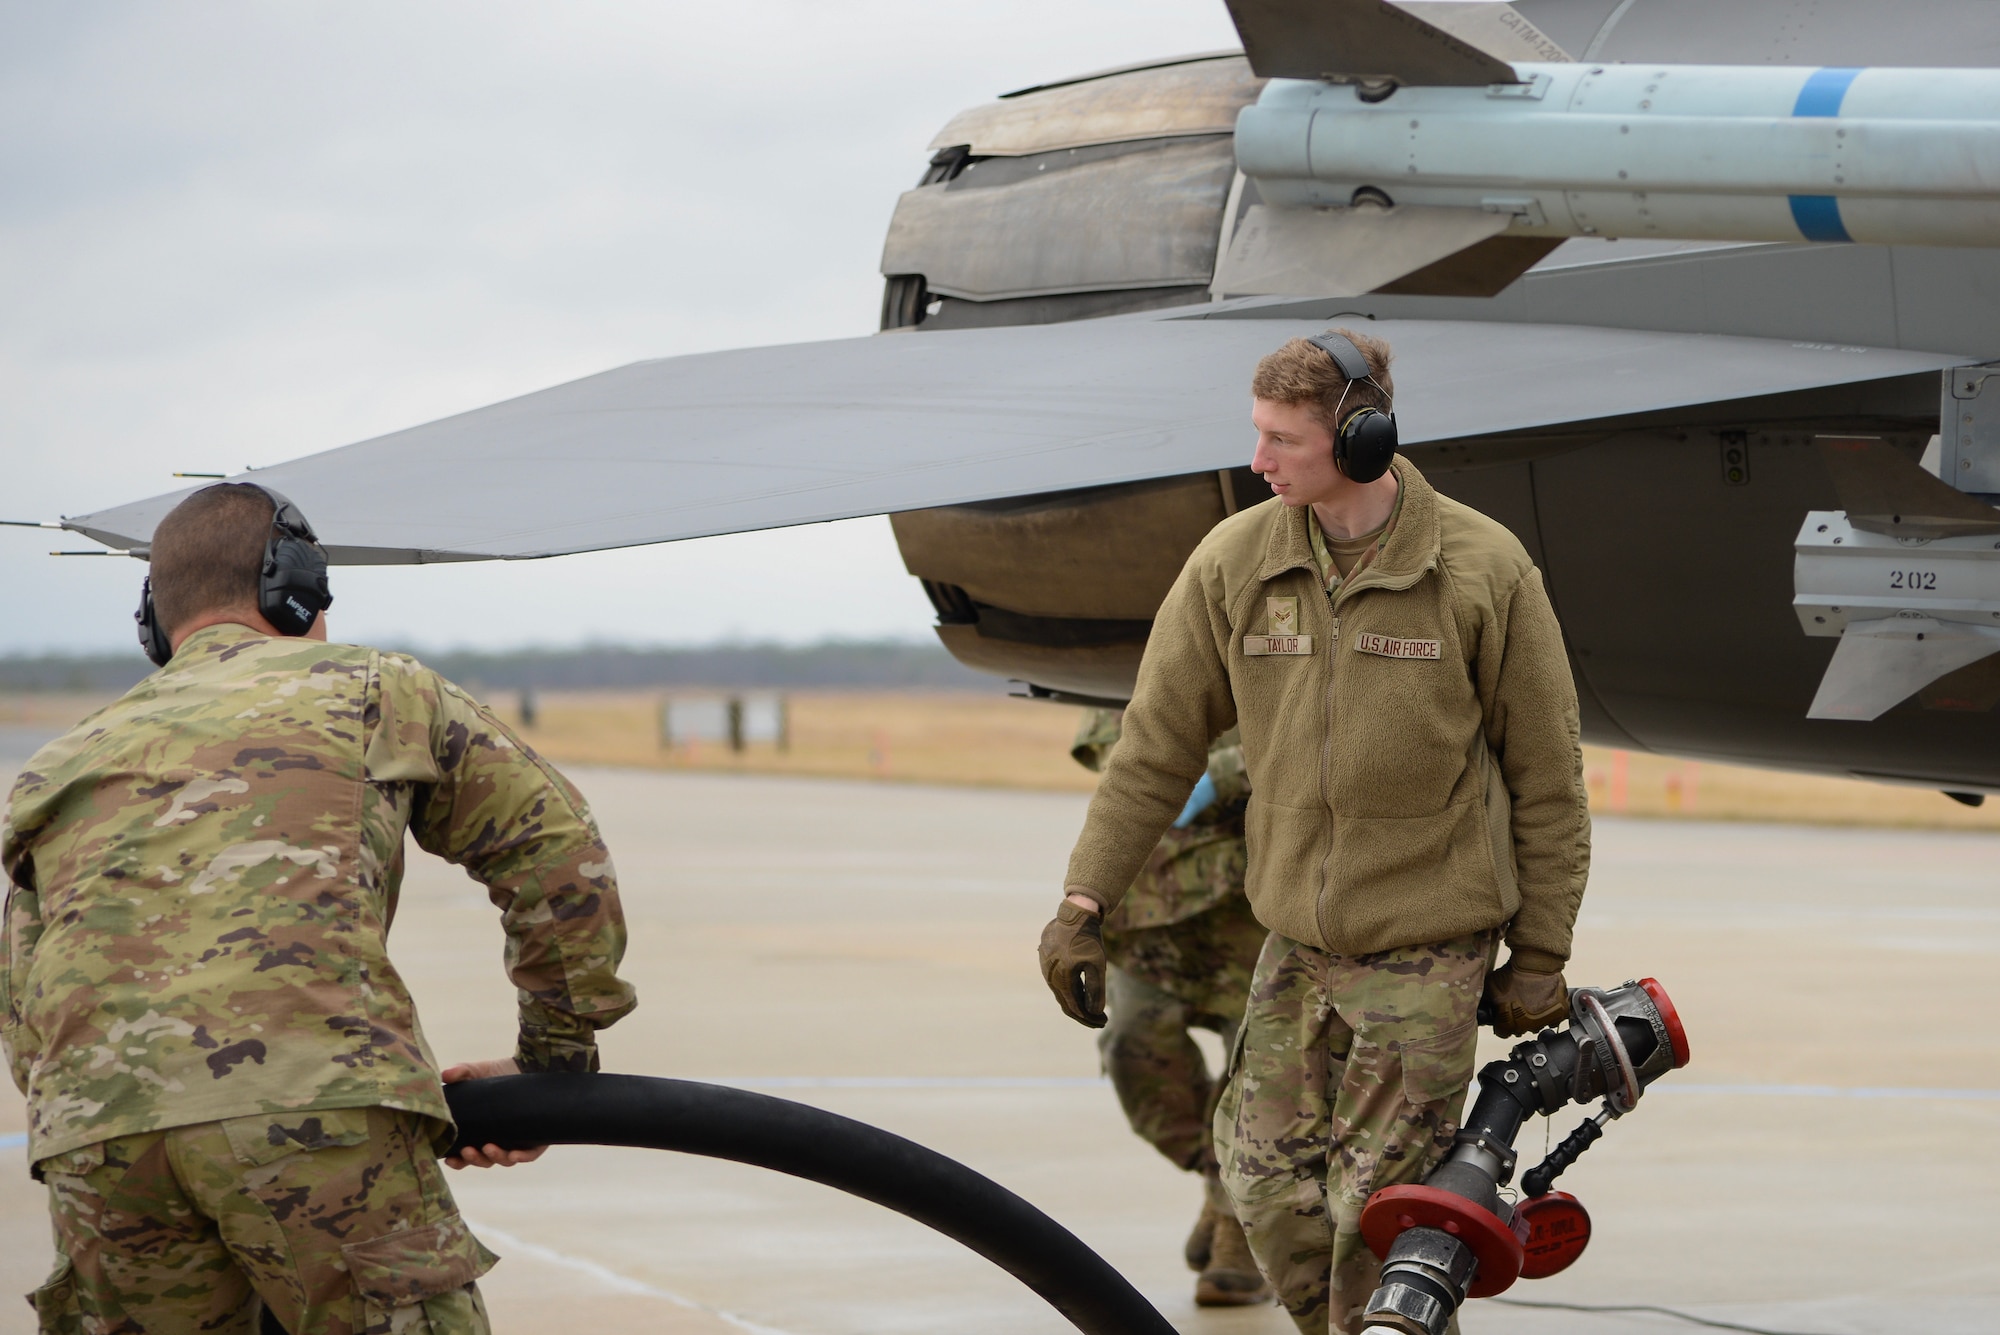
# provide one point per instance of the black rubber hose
(645, 1112)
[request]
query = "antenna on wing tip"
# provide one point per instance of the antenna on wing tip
(139, 553)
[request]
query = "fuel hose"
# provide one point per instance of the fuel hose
(646, 1112)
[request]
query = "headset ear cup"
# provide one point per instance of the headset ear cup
(1366, 445)
(292, 591)
(156, 646)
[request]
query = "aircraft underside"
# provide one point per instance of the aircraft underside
(1667, 538)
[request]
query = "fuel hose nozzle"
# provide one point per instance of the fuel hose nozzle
(1453, 1237)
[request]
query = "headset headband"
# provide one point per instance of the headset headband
(285, 516)
(1345, 355)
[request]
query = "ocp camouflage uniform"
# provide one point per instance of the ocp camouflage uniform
(182, 1229)
(228, 1089)
(1181, 945)
(1365, 1058)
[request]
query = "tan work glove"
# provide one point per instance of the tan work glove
(1524, 1002)
(1073, 963)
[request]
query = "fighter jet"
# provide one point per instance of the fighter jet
(1696, 296)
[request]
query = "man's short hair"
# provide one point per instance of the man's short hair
(208, 554)
(1302, 372)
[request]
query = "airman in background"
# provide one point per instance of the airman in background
(229, 1094)
(1181, 947)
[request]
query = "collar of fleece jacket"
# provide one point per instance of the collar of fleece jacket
(1412, 547)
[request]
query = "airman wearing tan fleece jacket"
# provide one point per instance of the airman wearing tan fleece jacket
(1410, 729)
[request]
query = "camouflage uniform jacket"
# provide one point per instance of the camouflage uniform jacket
(1196, 867)
(201, 878)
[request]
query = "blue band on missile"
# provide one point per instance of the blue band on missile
(1818, 216)
(1824, 92)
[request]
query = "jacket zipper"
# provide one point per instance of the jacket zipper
(1326, 768)
(1347, 586)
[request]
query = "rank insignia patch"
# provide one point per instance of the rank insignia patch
(1281, 616)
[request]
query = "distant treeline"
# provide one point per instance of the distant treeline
(87, 674)
(837, 664)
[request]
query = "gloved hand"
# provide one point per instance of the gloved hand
(1524, 1002)
(1073, 963)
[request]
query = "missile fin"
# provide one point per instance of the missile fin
(1885, 492)
(1880, 663)
(1482, 269)
(1346, 252)
(1499, 30)
(1359, 41)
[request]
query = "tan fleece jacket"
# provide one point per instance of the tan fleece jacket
(1412, 739)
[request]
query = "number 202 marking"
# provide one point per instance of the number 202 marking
(1912, 579)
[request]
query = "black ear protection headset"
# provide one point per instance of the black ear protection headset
(1365, 440)
(291, 583)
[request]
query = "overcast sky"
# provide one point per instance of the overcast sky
(233, 233)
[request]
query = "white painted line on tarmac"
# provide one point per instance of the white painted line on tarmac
(775, 1082)
(1833, 1092)
(611, 1279)
(904, 1081)
(18, 1139)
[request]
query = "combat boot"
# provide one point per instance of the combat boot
(1231, 1277)
(1214, 1206)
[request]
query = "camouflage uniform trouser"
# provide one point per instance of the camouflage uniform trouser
(1349, 1074)
(340, 1222)
(1163, 982)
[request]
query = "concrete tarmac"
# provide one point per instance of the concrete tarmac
(1828, 1163)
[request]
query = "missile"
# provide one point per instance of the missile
(1683, 152)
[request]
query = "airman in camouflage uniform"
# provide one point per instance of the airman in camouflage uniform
(229, 1094)
(1394, 666)
(1181, 947)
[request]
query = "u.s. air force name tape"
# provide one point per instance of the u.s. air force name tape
(1383, 646)
(1256, 646)
(1389, 646)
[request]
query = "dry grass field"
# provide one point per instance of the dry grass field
(1639, 784)
(946, 737)
(51, 709)
(999, 741)
(995, 740)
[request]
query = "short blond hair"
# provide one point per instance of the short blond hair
(1303, 372)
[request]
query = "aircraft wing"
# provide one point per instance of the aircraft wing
(726, 442)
